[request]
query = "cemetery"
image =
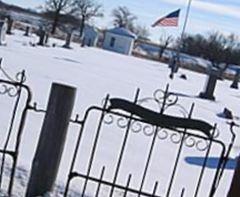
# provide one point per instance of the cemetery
(91, 112)
(93, 77)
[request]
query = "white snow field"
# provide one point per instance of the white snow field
(95, 72)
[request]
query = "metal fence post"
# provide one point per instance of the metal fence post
(52, 140)
(235, 185)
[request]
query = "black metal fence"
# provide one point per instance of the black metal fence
(16, 97)
(103, 167)
(125, 148)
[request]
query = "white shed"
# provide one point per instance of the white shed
(3, 30)
(119, 40)
(90, 37)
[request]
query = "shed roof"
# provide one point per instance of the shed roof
(123, 32)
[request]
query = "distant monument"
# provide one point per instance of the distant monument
(68, 40)
(27, 31)
(236, 79)
(3, 30)
(208, 92)
(43, 36)
(174, 63)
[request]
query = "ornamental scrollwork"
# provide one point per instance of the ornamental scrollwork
(11, 86)
(160, 101)
(162, 133)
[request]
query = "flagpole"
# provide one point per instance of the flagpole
(185, 22)
(181, 38)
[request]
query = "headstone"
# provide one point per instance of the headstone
(183, 76)
(3, 30)
(174, 66)
(42, 36)
(227, 113)
(68, 40)
(236, 80)
(27, 31)
(211, 82)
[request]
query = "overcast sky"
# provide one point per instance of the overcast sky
(205, 15)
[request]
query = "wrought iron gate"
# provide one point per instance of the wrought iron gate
(15, 96)
(123, 148)
(93, 152)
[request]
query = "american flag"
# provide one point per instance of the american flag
(169, 20)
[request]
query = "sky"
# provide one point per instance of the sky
(205, 15)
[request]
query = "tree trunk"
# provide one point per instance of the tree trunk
(46, 38)
(81, 30)
(55, 22)
(161, 52)
(9, 26)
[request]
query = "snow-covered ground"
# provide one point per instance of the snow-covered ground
(95, 72)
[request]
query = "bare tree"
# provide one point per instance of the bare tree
(142, 32)
(85, 10)
(165, 41)
(217, 48)
(56, 8)
(123, 18)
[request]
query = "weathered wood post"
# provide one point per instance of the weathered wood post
(236, 80)
(52, 140)
(235, 186)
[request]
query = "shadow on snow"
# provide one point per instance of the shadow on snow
(212, 162)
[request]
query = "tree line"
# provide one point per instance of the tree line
(221, 50)
(79, 12)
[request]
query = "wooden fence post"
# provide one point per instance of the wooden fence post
(52, 140)
(235, 185)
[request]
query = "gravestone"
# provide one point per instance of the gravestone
(227, 113)
(236, 80)
(174, 66)
(183, 76)
(27, 31)
(68, 40)
(208, 92)
(42, 36)
(3, 30)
